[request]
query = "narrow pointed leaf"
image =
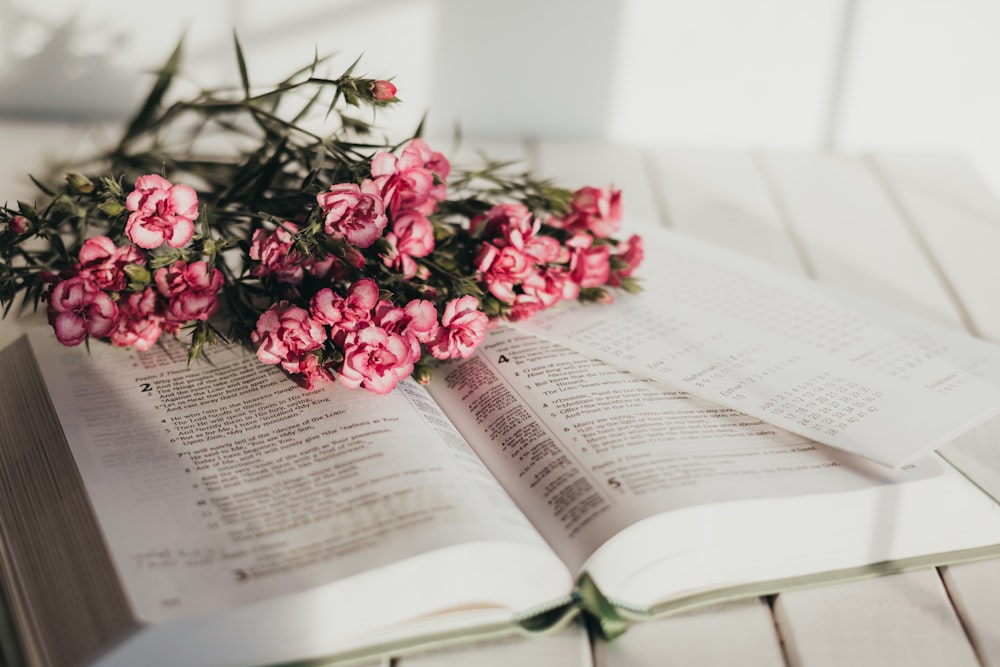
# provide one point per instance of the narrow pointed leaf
(242, 64)
(147, 111)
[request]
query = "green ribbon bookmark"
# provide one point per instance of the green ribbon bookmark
(598, 612)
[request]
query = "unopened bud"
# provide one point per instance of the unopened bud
(138, 274)
(382, 90)
(79, 183)
(18, 224)
(112, 208)
(421, 374)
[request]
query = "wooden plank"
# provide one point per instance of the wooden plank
(827, 204)
(575, 165)
(958, 220)
(569, 646)
(977, 454)
(903, 619)
(736, 633)
(719, 196)
(852, 234)
(974, 591)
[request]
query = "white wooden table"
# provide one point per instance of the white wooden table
(921, 233)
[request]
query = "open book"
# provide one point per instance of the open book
(221, 515)
(155, 513)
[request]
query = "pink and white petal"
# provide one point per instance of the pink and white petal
(182, 232)
(141, 236)
(70, 329)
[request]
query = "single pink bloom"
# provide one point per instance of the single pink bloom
(431, 160)
(376, 360)
(104, 262)
(382, 90)
(463, 328)
(78, 308)
(307, 371)
(511, 220)
(285, 335)
(416, 322)
(524, 306)
(549, 286)
(630, 254)
(503, 269)
(353, 212)
(346, 314)
(589, 265)
(161, 213)
(546, 250)
(413, 181)
(277, 255)
(412, 236)
(191, 290)
(593, 210)
(141, 321)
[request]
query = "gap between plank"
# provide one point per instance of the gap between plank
(887, 185)
(959, 616)
(774, 195)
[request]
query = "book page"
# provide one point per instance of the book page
(588, 449)
(861, 378)
(227, 483)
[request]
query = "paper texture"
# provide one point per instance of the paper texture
(861, 378)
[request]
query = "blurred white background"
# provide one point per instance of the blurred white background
(847, 75)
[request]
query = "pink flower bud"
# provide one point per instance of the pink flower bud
(18, 224)
(383, 91)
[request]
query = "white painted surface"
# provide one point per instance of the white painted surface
(896, 621)
(903, 619)
(737, 633)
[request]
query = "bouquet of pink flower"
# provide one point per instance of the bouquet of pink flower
(334, 256)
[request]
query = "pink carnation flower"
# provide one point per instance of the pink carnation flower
(161, 213)
(78, 308)
(550, 285)
(593, 210)
(433, 161)
(416, 322)
(630, 255)
(191, 290)
(512, 220)
(375, 359)
(141, 322)
(503, 269)
(104, 262)
(346, 314)
(412, 236)
(589, 265)
(285, 335)
(408, 182)
(463, 328)
(277, 255)
(353, 212)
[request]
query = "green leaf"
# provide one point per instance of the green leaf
(41, 186)
(147, 112)
(419, 132)
(242, 64)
